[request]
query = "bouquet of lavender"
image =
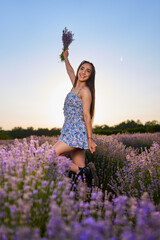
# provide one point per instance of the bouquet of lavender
(67, 38)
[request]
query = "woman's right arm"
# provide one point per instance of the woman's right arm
(69, 68)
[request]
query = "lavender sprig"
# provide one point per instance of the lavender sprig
(67, 38)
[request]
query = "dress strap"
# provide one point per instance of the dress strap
(79, 90)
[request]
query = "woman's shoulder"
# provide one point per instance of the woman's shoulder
(85, 91)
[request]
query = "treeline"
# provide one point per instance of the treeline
(19, 132)
(126, 126)
(129, 126)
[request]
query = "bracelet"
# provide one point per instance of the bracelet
(90, 137)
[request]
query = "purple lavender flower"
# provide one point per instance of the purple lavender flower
(67, 38)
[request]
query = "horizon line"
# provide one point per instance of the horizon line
(157, 122)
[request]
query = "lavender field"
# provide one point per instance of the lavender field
(38, 201)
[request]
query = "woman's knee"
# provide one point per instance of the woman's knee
(62, 148)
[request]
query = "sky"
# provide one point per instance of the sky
(120, 37)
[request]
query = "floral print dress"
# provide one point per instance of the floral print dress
(74, 131)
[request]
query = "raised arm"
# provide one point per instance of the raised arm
(69, 68)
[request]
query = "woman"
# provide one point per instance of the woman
(76, 133)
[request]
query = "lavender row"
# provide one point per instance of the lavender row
(138, 140)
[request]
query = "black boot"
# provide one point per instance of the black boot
(71, 174)
(80, 173)
(74, 176)
(92, 175)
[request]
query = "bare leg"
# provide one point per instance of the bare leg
(78, 157)
(63, 149)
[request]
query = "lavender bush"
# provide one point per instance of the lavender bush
(37, 200)
(140, 173)
(125, 170)
(109, 156)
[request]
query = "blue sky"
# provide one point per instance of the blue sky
(120, 37)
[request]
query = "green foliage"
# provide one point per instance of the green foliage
(4, 134)
(129, 126)
(19, 132)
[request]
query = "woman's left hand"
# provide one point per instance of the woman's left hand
(92, 145)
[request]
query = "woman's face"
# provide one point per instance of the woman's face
(84, 72)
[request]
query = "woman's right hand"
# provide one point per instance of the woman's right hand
(65, 53)
(92, 145)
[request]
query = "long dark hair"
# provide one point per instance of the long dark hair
(91, 84)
